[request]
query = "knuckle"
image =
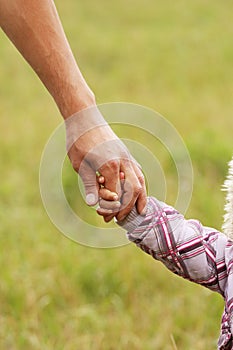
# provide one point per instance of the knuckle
(132, 189)
(114, 165)
(137, 190)
(141, 179)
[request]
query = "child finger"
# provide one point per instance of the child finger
(100, 179)
(104, 193)
(109, 217)
(111, 205)
(122, 175)
(104, 212)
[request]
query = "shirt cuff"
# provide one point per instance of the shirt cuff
(133, 219)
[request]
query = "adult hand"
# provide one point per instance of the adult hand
(35, 29)
(93, 146)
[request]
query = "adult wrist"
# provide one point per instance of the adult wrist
(76, 102)
(81, 123)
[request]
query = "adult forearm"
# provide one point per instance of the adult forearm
(35, 29)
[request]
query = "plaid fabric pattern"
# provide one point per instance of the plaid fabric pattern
(200, 254)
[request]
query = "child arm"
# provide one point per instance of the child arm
(187, 248)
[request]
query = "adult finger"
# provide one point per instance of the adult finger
(142, 198)
(88, 176)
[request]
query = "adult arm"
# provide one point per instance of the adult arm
(35, 29)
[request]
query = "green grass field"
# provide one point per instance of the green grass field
(174, 57)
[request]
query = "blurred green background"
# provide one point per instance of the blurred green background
(175, 57)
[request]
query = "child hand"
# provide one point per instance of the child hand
(109, 203)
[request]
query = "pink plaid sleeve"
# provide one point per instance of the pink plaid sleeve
(200, 254)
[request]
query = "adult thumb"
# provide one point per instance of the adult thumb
(91, 187)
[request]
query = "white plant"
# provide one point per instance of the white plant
(228, 216)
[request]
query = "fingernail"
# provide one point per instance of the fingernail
(122, 175)
(115, 198)
(90, 199)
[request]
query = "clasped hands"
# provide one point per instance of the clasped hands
(97, 149)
